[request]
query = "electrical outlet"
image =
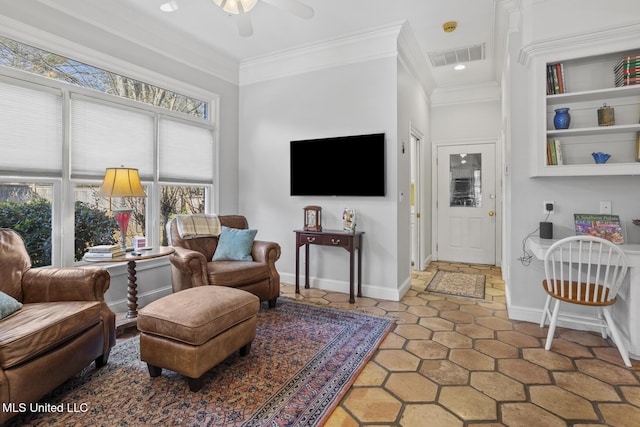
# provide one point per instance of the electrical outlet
(546, 211)
(605, 207)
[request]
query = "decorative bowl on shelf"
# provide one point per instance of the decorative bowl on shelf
(600, 157)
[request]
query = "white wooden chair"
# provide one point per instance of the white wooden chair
(587, 271)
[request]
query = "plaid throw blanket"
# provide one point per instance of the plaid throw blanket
(198, 225)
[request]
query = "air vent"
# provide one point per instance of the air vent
(455, 56)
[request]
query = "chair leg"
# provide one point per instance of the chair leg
(615, 334)
(603, 331)
(545, 311)
(552, 325)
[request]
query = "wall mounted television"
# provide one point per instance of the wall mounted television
(339, 166)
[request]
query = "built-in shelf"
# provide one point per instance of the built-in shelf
(589, 85)
(599, 130)
(595, 95)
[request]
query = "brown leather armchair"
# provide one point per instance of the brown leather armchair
(191, 263)
(64, 324)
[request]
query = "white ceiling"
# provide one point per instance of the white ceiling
(203, 26)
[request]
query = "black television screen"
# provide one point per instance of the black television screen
(340, 166)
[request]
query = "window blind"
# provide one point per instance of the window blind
(105, 136)
(30, 130)
(186, 152)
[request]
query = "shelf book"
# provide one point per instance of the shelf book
(554, 152)
(627, 71)
(555, 79)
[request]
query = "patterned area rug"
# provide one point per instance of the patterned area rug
(456, 283)
(302, 361)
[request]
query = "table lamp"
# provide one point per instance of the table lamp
(121, 182)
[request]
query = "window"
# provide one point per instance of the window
(66, 128)
(37, 61)
(177, 199)
(26, 208)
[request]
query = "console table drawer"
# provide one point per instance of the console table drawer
(318, 239)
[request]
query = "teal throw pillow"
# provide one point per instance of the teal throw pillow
(234, 245)
(8, 305)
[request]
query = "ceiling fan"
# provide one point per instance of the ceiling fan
(240, 8)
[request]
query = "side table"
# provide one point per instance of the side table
(130, 319)
(343, 239)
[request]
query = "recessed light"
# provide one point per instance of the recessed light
(459, 67)
(170, 6)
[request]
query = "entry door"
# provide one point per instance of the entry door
(466, 206)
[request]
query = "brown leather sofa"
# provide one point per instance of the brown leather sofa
(191, 263)
(64, 324)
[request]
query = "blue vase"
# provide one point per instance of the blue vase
(562, 119)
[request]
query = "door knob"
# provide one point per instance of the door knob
(491, 213)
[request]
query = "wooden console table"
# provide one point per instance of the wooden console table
(349, 241)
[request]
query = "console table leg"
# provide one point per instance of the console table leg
(359, 272)
(352, 298)
(297, 269)
(306, 266)
(132, 292)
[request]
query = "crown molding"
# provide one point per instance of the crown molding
(410, 55)
(606, 40)
(374, 44)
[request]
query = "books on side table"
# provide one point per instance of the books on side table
(104, 251)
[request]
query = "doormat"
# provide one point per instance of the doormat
(459, 284)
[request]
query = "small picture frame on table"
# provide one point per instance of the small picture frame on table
(349, 220)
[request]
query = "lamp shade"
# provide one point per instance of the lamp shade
(121, 182)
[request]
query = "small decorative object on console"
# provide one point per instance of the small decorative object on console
(349, 220)
(312, 218)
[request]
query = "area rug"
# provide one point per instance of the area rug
(302, 361)
(457, 283)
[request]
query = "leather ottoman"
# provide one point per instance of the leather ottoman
(191, 331)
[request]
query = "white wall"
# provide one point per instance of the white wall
(348, 99)
(466, 122)
(571, 195)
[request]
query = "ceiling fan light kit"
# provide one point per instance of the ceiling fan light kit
(233, 6)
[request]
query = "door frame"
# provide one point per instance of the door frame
(469, 144)
(417, 237)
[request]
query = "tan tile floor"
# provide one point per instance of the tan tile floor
(454, 361)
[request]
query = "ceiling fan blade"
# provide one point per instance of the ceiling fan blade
(296, 7)
(245, 28)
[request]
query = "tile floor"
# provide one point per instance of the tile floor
(454, 361)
